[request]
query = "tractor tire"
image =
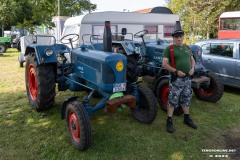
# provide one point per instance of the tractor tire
(19, 46)
(213, 92)
(78, 125)
(20, 60)
(3, 48)
(162, 92)
(146, 109)
(132, 69)
(40, 83)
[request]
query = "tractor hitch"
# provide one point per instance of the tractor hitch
(113, 104)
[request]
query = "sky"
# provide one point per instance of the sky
(126, 5)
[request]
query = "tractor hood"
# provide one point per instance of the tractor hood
(103, 69)
(154, 52)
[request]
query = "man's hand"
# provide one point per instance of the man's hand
(191, 72)
(181, 74)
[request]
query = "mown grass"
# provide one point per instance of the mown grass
(27, 134)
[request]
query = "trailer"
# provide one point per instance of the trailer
(158, 25)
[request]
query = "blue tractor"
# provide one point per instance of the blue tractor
(206, 85)
(84, 70)
(145, 60)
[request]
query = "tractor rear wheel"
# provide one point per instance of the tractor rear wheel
(3, 48)
(132, 69)
(213, 92)
(78, 125)
(162, 92)
(40, 83)
(146, 109)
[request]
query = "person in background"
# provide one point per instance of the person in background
(180, 84)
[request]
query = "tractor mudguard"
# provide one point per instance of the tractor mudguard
(41, 55)
(65, 103)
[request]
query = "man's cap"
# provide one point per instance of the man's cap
(178, 33)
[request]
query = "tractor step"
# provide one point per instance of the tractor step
(199, 81)
(115, 103)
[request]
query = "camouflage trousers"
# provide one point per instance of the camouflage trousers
(180, 92)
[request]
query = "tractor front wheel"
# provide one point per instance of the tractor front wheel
(146, 109)
(162, 92)
(213, 92)
(78, 125)
(21, 60)
(40, 83)
(3, 48)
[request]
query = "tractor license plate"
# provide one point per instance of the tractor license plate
(119, 87)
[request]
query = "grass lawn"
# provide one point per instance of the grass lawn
(27, 134)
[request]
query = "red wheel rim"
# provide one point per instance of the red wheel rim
(74, 126)
(32, 82)
(164, 94)
(206, 91)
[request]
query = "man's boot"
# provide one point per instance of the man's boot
(188, 121)
(170, 128)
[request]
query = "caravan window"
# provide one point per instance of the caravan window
(168, 30)
(98, 30)
(70, 30)
(151, 29)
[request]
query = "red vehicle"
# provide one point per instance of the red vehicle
(229, 25)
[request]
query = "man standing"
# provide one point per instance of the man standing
(179, 61)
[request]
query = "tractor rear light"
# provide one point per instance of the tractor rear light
(49, 52)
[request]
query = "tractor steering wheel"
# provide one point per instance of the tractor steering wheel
(69, 38)
(140, 34)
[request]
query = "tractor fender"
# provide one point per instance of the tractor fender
(65, 103)
(40, 52)
(159, 79)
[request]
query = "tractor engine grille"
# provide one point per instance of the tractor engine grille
(108, 76)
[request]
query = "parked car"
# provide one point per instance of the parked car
(222, 56)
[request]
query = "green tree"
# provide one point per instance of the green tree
(200, 17)
(28, 13)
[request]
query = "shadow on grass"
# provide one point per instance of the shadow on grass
(232, 90)
(6, 55)
(232, 141)
(23, 129)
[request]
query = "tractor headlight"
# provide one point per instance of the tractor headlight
(119, 66)
(49, 52)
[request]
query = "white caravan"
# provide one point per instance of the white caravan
(55, 31)
(159, 25)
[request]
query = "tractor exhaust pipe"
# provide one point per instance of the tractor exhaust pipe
(107, 37)
(178, 26)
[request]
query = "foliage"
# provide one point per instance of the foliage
(29, 13)
(200, 17)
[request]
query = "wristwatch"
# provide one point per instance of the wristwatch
(176, 71)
